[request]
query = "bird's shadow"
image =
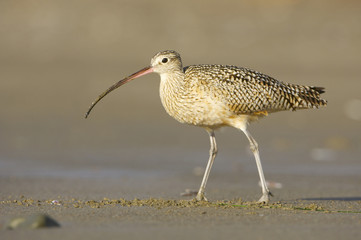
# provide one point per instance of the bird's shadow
(346, 199)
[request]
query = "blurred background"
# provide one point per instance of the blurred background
(56, 57)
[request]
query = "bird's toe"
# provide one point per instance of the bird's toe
(265, 197)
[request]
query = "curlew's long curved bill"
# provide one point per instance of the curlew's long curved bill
(140, 73)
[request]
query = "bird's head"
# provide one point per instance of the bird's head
(166, 62)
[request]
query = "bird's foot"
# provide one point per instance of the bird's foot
(265, 197)
(201, 197)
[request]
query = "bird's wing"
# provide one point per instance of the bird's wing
(246, 91)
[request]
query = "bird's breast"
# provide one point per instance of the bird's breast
(192, 105)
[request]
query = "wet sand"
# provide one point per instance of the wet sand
(144, 206)
(121, 173)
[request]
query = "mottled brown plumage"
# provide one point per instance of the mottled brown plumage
(212, 96)
(248, 92)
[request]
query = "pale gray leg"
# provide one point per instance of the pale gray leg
(254, 148)
(212, 156)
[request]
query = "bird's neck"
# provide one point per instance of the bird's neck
(171, 91)
(171, 84)
(173, 78)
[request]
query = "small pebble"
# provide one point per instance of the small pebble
(32, 222)
(55, 202)
(189, 193)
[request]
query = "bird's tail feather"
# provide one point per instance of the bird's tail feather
(309, 97)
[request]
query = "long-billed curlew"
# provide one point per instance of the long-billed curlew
(213, 96)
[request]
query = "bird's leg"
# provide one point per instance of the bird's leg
(212, 156)
(254, 148)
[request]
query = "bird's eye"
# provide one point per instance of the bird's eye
(164, 60)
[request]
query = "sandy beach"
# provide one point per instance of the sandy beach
(122, 173)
